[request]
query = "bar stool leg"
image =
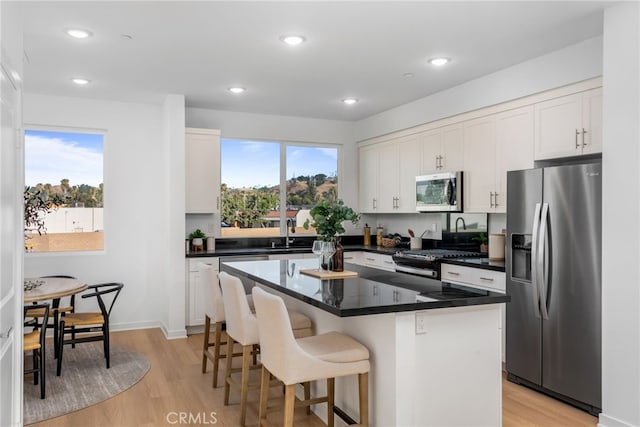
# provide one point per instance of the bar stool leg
(205, 346)
(307, 395)
(331, 398)
(264, 394)
(289, 403)
(363, 385)
(244, 387)
(227, 378)
(216, 353)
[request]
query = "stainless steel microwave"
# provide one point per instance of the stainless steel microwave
(439, 192)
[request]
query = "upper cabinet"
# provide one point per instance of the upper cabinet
(442, 149)
(494, 145)
(202, 171)
(569, 126)
(387, 175)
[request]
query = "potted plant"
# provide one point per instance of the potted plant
(484, 242)
(196, 237)
(328, 217)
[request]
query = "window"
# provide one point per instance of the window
(266, 184)
(64, 177)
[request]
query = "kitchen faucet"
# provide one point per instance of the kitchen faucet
(293, 230)
(464, 226)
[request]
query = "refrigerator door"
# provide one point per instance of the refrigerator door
(524, 336)
(573, 249)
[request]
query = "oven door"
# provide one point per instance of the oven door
(441, 192)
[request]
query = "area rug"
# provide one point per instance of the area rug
(85, 380)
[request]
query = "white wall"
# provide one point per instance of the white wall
(620, 247)
(572, 64)
(137, 205)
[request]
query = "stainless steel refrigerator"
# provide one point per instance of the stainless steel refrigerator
(553, 265)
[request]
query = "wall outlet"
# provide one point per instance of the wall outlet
(434, 227)
(421, 324)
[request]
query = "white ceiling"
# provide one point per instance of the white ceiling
(353, 49)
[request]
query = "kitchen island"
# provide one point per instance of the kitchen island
(435, 350)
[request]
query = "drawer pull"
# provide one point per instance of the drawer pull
(370, 259)
(453, 273)
(487, 278)
(389, 262)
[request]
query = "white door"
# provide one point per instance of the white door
(452, 148)
(592, 121)
(409, 168)
(387, 176)
(480, 164)
(558, 126)
(431, 144)
(11, 249)
(368, 179)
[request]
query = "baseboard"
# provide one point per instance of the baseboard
(607, 421)
(172, 335)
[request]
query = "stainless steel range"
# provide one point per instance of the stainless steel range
(427, 262)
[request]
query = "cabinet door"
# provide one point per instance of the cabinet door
(514, 149)
(368, 173)
(387, 176)
(195, 301)
(452, 148)
(202, 171)
(480, 164)
(558, 126)
(431, 144)
(592, 121)
(408, 169)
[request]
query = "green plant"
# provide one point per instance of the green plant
(328, 217)
(197, 234)
(481, 238)
(37, 203)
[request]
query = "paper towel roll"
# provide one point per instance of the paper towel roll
(496, 246)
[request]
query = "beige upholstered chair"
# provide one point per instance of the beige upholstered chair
(213, 313)
(300, 360)
(242, 327)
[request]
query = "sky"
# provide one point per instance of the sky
(251, 164)
(51, 156)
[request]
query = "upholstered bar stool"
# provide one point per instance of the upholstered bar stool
(242, 327)
(295, 361)
(214, 313)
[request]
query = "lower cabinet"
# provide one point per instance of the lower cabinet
(489, 280)
(195, 301)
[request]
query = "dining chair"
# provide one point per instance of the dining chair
(242, 327)
(84, 323)
(298, 360)
(56, 310)
(34, 342)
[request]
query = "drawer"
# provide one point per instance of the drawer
(478, 277)
(193, 263)
(380, 261)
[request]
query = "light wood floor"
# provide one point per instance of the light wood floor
(175, 384)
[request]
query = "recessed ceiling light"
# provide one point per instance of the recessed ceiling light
(80, 81)
(292, 40)
(350, 101)
(236, 89)
(78, 33)
(438, 62)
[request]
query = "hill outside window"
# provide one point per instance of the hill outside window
(265, 184)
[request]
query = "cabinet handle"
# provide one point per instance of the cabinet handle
(491, 199)
(375, 291)
(489, 279)
(495, 198)
(389, 262)
(577, 144)
(218, 202)
(370, 259)
(453, 273)
(440, 161)
(584, 131)
(374, 203)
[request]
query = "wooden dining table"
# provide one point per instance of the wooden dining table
(52, 289)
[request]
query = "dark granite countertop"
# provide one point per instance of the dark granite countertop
(484, 263)
(372, 292)
(279, 250)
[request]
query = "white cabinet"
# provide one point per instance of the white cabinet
(479, 164)
(488, 280)
(387, 175)
(514, 149)
(202, 171)
(195, 301)
(379, 261)
(494, 145)
(569, 126)
(442, 149)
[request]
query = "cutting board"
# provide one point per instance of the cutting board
(322, 274)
